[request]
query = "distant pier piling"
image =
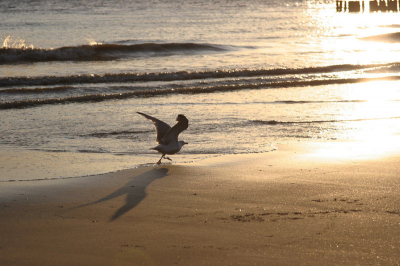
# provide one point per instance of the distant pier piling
(354, 6)
(392, 5)
(374, 6)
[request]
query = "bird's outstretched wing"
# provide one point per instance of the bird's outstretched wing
(172, 134)
(161, 127)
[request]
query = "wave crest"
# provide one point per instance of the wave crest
(100, 52)
(274, 122)
(182, 75)
(388, 38)
(187, 90)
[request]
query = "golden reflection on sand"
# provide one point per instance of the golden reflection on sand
(356, 150)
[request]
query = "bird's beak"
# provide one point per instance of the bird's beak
(186, 143)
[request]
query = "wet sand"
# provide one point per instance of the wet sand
(292, 206)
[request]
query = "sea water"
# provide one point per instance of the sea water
(249, 75)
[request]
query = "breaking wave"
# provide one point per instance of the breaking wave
(388, 38)
(186, 90)
(22, 92)
(274, 122)
(183, 75)
(100, 52)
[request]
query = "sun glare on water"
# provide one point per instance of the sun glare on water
(371, 124)
(347, 35)
(362, 38)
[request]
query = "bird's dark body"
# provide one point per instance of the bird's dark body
(167, 137)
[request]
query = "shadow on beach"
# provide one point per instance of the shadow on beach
(135, 191)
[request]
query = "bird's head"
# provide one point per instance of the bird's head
(182, 121)
(181, 143)
(181, 118)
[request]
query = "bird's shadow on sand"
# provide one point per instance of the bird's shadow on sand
(135, 191)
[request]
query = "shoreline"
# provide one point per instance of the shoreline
(48, 165)
(287, 207)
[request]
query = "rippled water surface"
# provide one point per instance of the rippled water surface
(248, 75)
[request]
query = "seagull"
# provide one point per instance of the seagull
(167, 137)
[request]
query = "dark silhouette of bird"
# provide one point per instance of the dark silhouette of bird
(167, 137)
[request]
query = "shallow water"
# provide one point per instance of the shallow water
(248, 74)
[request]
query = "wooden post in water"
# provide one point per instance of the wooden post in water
(354, 6)
(373, 6)
(382, 6)
(339, 6)
(392, 5)
(351, 6)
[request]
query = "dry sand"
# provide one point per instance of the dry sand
(292, 206)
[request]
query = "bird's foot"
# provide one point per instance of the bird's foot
(168, 158)
(159, 162)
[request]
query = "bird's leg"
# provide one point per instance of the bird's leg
(159, 161)
(167, 158)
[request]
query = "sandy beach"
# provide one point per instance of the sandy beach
(291, 206)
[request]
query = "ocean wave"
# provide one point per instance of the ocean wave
(388, 38)
(179, 76)
(116, 133)
(308, 102)
(100, 52)
(390, 26)
(187, 90)
(37, 90)
(395, 68)
(275, 122)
